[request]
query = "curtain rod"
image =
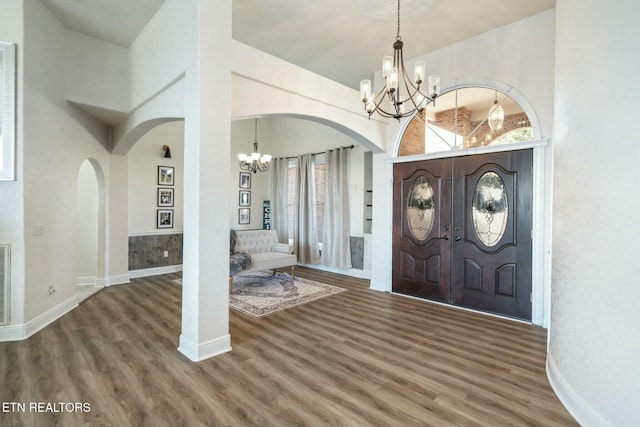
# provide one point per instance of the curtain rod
(322, 152)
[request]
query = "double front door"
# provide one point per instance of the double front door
(462, 231)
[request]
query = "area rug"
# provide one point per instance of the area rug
(263, 293)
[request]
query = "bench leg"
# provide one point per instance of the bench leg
(230, 283)
(293, 272)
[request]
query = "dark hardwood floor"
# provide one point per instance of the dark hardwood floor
(357, 358)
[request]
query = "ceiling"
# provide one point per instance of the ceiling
(115, 21)
(343, 40)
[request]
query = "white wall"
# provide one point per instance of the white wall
(12, 192)
(143, 159)
(97, 73)
(57, 138)
(242, 137)
(160, 53)
(264, 85)
(289, 137)
(594, 347)
(521, 55)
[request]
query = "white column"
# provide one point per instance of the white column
(117, 223)
(205, 298)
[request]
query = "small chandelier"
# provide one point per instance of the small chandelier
(393, 70)
(255, 161)
(496, 115)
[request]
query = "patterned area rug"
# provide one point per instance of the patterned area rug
(263, 293)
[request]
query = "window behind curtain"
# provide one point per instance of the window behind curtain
(291, 199)
(319, 187)
(318, 169)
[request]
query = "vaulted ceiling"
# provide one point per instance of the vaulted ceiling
(343, 40)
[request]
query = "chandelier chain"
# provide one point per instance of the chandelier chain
(398, 33)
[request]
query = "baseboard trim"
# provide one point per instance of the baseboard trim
(583, 413)
(198, 352)
(120, 279)
(352, 272)
(12, 333)
(378, 285)
(145, 272)
(86, 281)
(24, 331)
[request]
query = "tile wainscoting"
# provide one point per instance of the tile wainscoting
(357, 252)
(147, 251)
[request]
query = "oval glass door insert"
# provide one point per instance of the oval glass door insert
(421, 208)
(490, 209)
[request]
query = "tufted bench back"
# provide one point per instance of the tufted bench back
(255, 241)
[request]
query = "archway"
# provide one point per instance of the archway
(90, 229)
(459, 120)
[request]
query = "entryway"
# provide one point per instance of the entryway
(462, 231)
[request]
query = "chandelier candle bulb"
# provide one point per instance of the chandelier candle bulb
(370, 106)
(392, 81)
(365, 90)
(387, 65)
(434, 85)
(419, 71)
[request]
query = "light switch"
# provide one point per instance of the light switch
(37, 230)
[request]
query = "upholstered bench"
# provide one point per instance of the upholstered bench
(264, 251)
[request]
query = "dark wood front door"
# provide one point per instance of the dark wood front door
(422, 229)
(476, 250)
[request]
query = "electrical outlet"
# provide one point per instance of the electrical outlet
(166, 254)
(37, 230)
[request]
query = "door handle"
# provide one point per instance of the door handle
(445, 237)
(457, 238)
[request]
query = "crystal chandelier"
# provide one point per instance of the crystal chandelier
(397, 81)
(254, 162)
(496, 115)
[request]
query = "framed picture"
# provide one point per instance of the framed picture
(165, 197)
(245, 180)
(165, 218)
(244, 216)
(245, 198)
(165, 175)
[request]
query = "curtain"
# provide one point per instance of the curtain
(305, 235)
(279, 172)
(336, 245)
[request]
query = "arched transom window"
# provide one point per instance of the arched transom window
(465, 118)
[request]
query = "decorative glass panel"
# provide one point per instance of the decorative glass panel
(490, 209)
(421, 208)
(4, 284)
(7, 110)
